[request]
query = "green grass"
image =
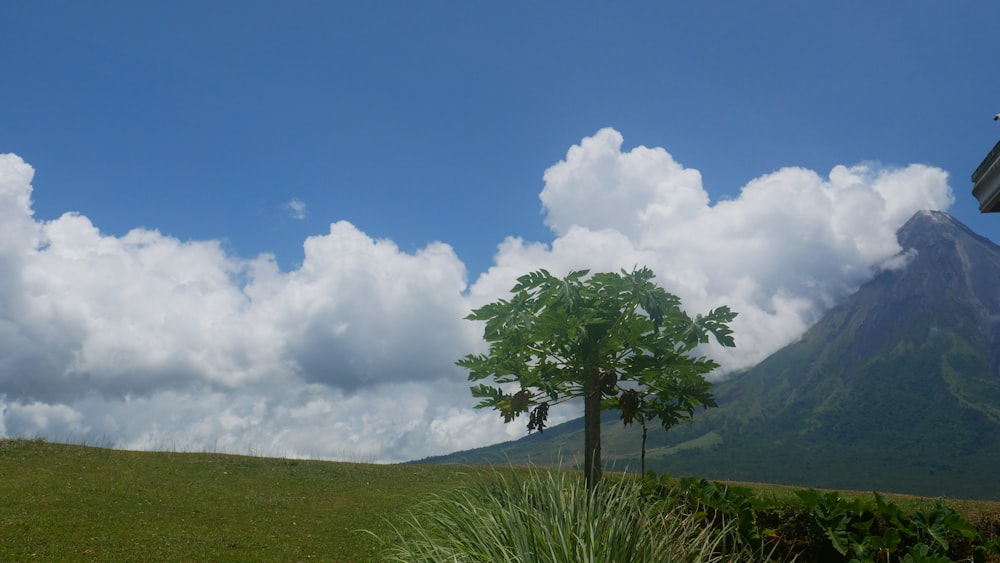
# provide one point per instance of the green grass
(76, 503)
(550, 517)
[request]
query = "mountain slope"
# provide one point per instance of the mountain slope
(896, 389)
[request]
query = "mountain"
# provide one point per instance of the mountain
(895, 389)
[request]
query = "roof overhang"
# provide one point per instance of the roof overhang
(986, 182)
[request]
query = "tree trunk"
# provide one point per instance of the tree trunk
(592, 431)
(644, 449)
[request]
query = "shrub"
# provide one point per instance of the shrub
(825, 526)
(553, 518)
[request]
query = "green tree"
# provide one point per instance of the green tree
(616, 340)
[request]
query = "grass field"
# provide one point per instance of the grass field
(77, 503)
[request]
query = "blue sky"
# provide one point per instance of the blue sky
(402, 162)
(434, 121)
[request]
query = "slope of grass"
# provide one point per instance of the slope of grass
(76, 503)
(62, 502)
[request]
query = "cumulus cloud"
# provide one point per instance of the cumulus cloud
(781, 253)
(145, 341)
(151, 342)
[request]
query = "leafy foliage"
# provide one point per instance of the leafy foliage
(827, 526)
(736, 507)
(615, 339)
(865, 530)
(552, 330)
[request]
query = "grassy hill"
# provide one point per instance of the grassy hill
(71, 503)
(74, 503)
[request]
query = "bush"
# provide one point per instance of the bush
(825, 526)
(553, 518)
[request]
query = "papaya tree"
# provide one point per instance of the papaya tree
(615, 340)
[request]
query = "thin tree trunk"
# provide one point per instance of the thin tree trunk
(643, 450)
(592, 431)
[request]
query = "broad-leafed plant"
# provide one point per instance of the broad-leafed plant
(616, 340)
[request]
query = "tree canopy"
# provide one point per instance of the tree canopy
(617, 340)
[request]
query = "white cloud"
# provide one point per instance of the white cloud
(149, 342)
(296, 208)
(153, 342)
(781, 253)
(598, 187)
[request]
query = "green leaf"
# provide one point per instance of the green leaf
(552, 334)
(934, 524)
(888, 541)
(834, 527)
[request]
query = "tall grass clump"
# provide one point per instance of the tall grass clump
(551, 517)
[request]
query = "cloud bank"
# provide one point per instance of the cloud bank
(144, 341)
